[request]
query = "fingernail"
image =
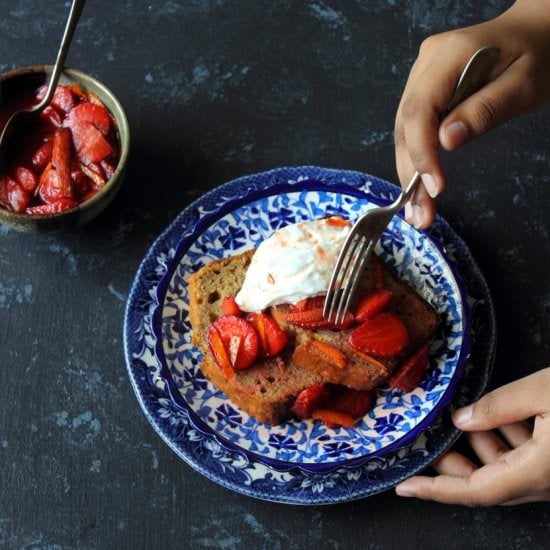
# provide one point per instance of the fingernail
(457, 134)
(418, 215)
(429, 183)
(409, 213)
(404, 490)
(461, 417)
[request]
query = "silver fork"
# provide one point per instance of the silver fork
(366, 231)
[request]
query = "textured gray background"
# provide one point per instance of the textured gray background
(215, 89)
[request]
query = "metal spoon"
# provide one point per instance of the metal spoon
(23, 118)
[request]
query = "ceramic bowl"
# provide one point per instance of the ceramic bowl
(303, 462)
(88, 210)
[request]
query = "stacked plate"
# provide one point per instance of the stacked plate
(303, 462)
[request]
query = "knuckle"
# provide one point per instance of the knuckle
(429, 44)
(486, 113)
(411, 107)
(457, 41)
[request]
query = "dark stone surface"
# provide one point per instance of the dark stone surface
(215, 89)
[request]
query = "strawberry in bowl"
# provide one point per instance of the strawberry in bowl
(69, 165)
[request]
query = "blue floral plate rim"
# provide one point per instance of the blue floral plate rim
(300, 488)
(253, 195)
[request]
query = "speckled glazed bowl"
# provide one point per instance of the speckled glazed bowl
(89, 209)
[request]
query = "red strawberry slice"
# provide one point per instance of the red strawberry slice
(55, 207)
(89, 124)
(309, 315)
(91, 147)
(272, 336)
(239, 339)
(18, 198)
(27, 179)
(81, 182)
(409, 375)
(61, 162)
(384, 336)
(42, 156)
(230, 307)
(63, 98)
(89, 113)
(372, 304)
(310, 399)
(48, 187)
(356, 403)
(52, 116)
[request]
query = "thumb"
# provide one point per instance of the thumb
(513, 402)
(499, 100)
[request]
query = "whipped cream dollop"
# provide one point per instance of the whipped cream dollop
(296, 262)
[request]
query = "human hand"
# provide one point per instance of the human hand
(520, 83)
(515, 466)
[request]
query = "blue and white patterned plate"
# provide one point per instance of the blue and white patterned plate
(300, 462)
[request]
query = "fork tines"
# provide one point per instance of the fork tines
(346, 274)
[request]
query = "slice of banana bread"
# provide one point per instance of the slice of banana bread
(267, 390)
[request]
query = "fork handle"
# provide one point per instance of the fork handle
(406, 194)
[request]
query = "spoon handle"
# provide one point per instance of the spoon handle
(74, 15)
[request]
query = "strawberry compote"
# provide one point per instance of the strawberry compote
(65, 158)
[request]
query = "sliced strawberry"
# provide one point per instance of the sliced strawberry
(217, 348)
(48, 186)
(63, 98)
(89, 124)
(372, 304)
(328, 353)
(333, 418)
(55, 207)
(230, 307)
(81, 182)
(310, 399)
(272, 336)
(52, 116)
(61, 162)
(336, 221)
(42, 156)
(384, 336)
(89, 113)
(409, 375)
(90, 144)
(18, 198)
(309, 315)
(356, 403)
(27, 179)
(239, 339)
(306, 304)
